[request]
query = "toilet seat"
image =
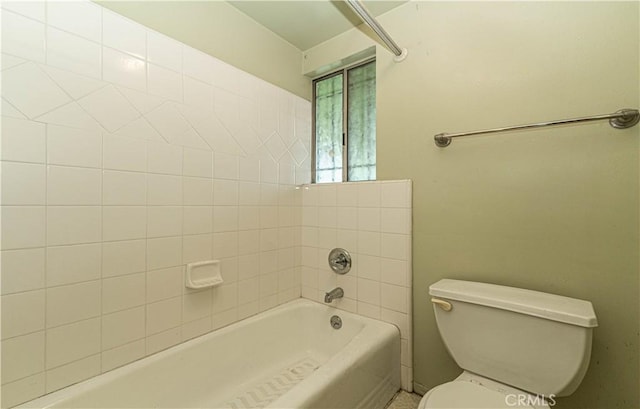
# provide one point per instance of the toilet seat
(471, 391)
(464, 395)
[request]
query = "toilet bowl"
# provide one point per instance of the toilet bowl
(518, 348)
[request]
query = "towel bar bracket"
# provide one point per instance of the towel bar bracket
(629, 118)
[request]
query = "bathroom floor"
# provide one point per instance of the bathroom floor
(405, 400)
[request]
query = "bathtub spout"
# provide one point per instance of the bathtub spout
(333, 294)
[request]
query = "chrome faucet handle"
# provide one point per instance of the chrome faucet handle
(340, 261)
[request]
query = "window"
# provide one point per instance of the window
(345, 125)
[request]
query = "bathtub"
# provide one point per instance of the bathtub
(287, 357)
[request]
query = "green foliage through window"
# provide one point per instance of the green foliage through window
(357, 129)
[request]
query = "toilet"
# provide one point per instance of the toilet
(517, 348)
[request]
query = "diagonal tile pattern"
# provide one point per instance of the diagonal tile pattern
(127, 154)
(70, 115)
(29, 89)
(77, 86)
(109, 108)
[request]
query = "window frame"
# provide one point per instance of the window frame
(345, 117)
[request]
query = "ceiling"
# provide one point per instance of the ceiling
(307, 23)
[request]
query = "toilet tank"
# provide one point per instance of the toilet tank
(534, 341)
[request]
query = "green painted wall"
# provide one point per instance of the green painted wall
(554, 210)
(219, 29)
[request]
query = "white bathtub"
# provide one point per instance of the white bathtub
(287, 357)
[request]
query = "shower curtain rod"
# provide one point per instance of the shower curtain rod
(363, 13)
(622, 119)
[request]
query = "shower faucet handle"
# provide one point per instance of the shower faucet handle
(340, 261)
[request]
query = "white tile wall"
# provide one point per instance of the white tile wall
(372, 220)
(126, 154)
(117, 169)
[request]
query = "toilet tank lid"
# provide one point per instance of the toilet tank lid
(539, 304)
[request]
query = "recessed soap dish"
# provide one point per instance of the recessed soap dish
(203, 274)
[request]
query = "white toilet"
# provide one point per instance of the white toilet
(518, 348)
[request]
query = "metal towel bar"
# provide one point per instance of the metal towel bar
(622, 119)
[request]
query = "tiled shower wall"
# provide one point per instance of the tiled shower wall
(371, 220)
(125, 155)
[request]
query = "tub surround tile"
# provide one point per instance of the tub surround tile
(197, 94)
(394, 297)
(164, 221)
(163, 315)
(76, 85)
(142, 101)
(123, 69)
(197, 192)
(73, 186)
(197, 248)
(198, 163)
(164, 283)
(74, 147)
(30, 90)
(71, 373)
(122, 355)
(163, 340)
(196, 328)
(34, 9)
(73, 53)
(196, 305)
(164, 252)
(249, 309)
(123, 292)
(9, 61)
(23, 140)
(197, 220)
(123, 34)
(123, 257)
(23, 183)
(164, 51)
(168, 121)
(10, 111)
(121, 188)
(24, 313)
(27, 269)
(22, 36)
(164, 190)
(166, 159)
(224, 318)
(125, 155)
(22, 356)
(78, 17)
(122, 327)
(73, 264)
(70, 115)
(23, 227)
(109, 108)
(140, 129)
(164, 83)
(25, 389)
(123, 223)
(68, 343)
(374, 220)
(70, 303)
